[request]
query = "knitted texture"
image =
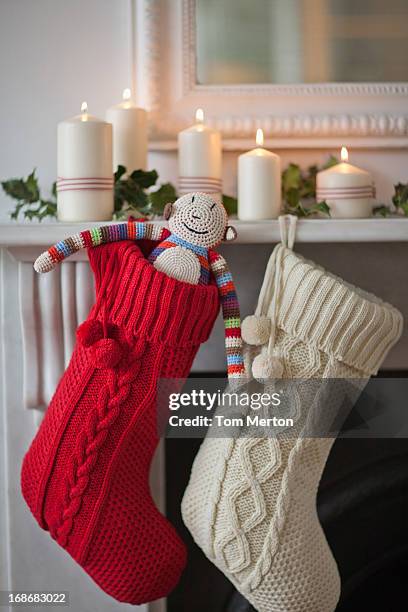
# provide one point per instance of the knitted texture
(251, 501)
(198, 218)
(197, 224)
(85, 476)
(196, 269)
(96, 236)
(231, 315)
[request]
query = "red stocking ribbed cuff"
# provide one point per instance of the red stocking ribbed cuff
(148, 303)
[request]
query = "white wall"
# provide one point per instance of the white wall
(53, 55)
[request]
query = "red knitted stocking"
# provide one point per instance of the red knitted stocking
(85, 476)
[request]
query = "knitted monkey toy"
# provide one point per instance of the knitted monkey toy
(197, 224)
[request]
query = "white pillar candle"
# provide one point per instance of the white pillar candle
(348, 190)
(259, 183)
(129, 134)
(85, 180)
(200, 158)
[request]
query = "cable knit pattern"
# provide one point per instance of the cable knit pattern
(85, 476)
(251, 501)
(91, 439)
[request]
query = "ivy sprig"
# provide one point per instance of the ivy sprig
(138, 194)
(399, 199)
(131, 195)
(29, 200)
(299, 186)
(382, 211)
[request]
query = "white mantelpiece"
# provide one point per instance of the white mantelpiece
(394, 229)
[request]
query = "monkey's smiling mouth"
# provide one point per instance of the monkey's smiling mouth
(190, 229)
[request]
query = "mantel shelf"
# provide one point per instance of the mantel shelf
(394, 229)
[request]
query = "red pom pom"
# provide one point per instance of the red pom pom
(107, 353)
(90, 332)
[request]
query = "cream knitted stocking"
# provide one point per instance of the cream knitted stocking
(251, 502)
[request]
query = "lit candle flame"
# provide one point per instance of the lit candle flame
(259, 139)
(344, 154)
(127, 94)
(199, 115)
(84, 107)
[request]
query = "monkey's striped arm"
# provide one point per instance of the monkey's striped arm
(230, 313)
(132, 230)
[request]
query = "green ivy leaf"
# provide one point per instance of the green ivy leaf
(48, 209)
(400, 198)
(130, 196)
(121, 170)
(291, 178)
(144, 178)
(17, 210)
(292, 197)
(321, 207)
(127, 191)
(25, 190)
(382, 211)
(312, 171)
(302, 211)
(230, 204)
(15, 188)
(44, 209)
(308, 188)
(297, 210)
(404, 207)
(32, 187)
(298, 186)
(162, 196)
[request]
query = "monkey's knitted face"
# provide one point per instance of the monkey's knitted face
(198, 219)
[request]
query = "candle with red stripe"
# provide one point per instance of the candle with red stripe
(200, 159)
(85, 179)
(347, 189)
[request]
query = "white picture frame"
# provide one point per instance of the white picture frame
(324, 115)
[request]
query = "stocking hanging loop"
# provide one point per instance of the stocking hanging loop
(258, 329)
(287, 227)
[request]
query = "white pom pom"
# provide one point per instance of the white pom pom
(265, 367)
(256, 330)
